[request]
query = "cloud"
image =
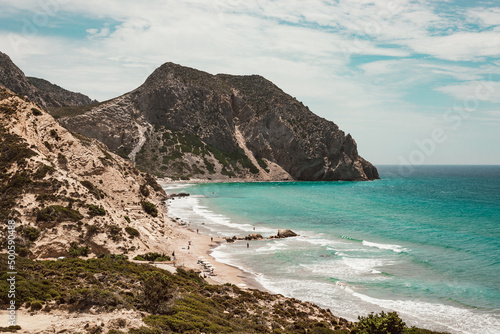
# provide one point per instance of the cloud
(98, 33)
(460, 46)
(486, 17)
(474, 90)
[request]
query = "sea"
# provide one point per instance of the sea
(423, 241)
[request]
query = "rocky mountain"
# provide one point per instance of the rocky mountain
(40, 91)
(68, 193)
(184, 123)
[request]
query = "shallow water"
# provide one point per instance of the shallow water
(426, 245)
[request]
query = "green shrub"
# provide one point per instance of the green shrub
(98, 193)
(114, 230)
(22, 251)
(127, 218)
(95, 210)
(57, 213)
(383, 323)
(152, 257)
(43, 171)
(132, 231)
(75, 250)
(31, 233)
(157, 292)
(150, 208)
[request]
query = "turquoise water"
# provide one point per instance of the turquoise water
(426, 245)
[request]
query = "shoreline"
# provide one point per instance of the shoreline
(190, 246)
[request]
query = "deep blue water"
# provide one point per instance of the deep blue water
(425, 244)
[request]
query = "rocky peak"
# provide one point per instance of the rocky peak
(222, 126)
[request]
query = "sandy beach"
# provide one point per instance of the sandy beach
(190, 247)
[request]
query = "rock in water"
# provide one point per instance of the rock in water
(254, 236)
(286, 234)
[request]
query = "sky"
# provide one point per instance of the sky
(413, 81)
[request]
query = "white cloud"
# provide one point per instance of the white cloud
(486, 17)
(474, 90)
(460, 46)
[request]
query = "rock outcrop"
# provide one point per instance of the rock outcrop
(284, 234)
(185, 123)
(40, 91)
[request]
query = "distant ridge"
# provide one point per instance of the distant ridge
(40, 91)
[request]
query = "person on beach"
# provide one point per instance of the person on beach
(248, 245)
(197, 231)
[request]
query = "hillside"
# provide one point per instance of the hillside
(37, 90)
(71, 197)
(183, 123)
(66, 188)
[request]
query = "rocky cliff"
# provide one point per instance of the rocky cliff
(68, 193)
(184, 123)
(40, 91)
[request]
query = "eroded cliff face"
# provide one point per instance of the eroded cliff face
(63, 188)
(184, 123)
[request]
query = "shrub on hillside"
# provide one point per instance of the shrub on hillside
(383, 323)
(150, 208)
(132, 231)
(95, 210)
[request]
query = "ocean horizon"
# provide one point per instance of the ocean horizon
(423, 241)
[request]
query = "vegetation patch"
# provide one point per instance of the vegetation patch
(75, 250)
(152, 257)
(132, 231)
(180, 303)
(150, 208)
(57, 213)
(31, 233)
(42, 171)
(98, 193)
(95, 210)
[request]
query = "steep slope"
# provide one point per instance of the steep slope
(186, 123)
(63, 97)
(37, 90)
(64, 188)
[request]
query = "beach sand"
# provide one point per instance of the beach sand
(190, 246)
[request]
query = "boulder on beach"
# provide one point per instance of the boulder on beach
(286, 234)
(254, 236)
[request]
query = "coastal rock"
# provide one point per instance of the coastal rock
(183, 123)
(179, 195)
(286, 234)
(254, 236)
